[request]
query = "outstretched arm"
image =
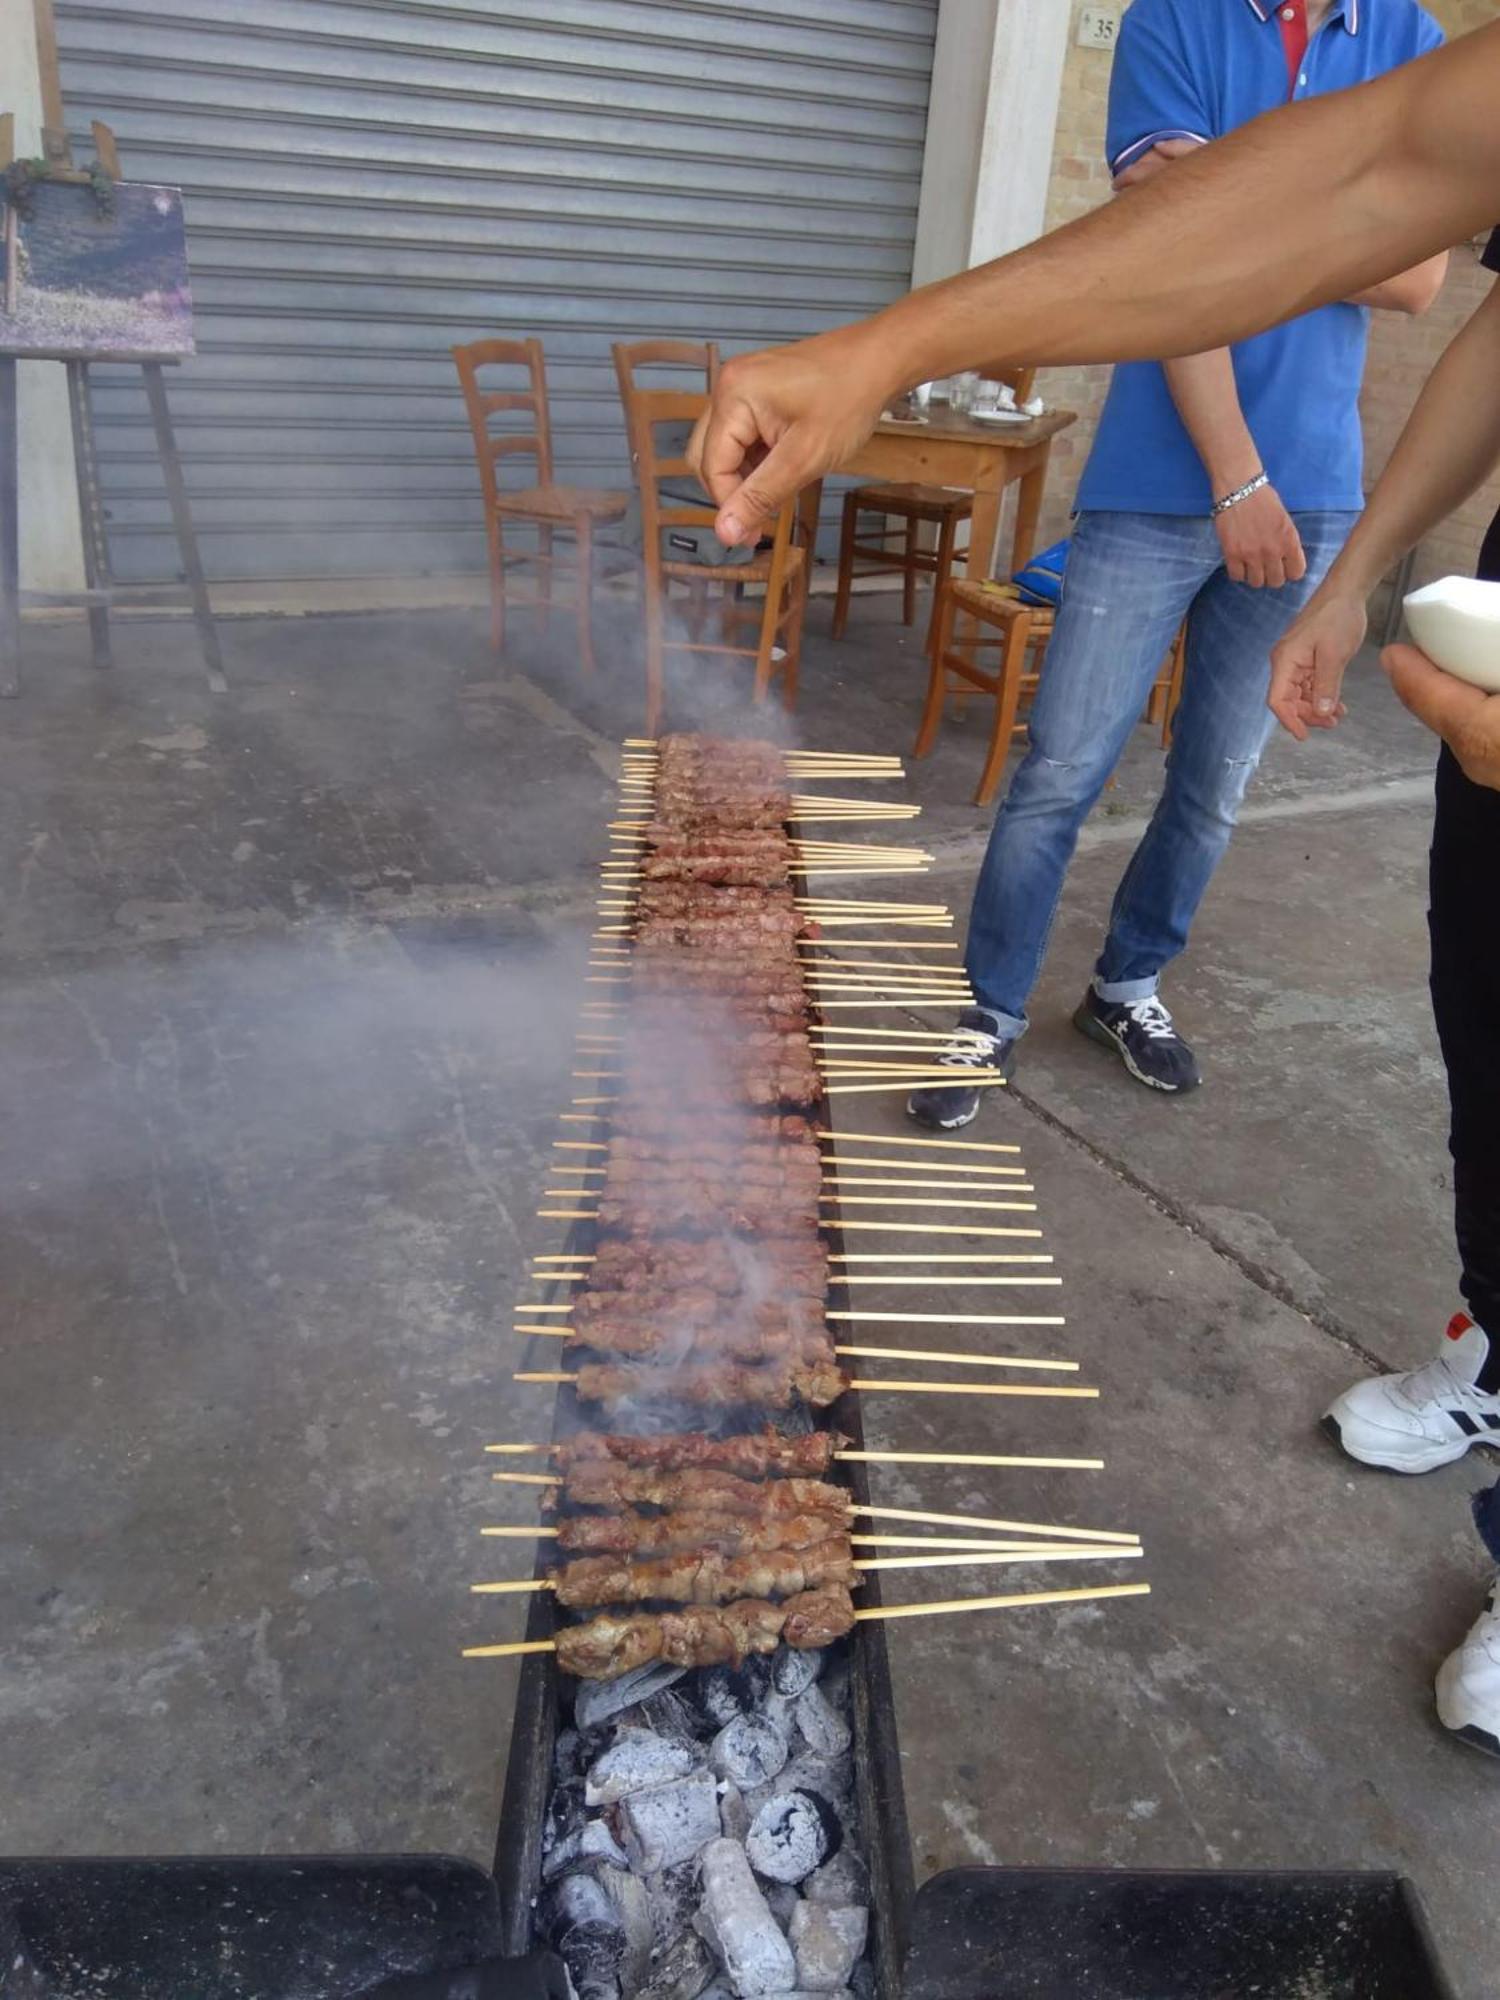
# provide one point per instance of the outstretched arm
(1206, 254)
(1449, 447)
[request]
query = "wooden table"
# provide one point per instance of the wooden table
(953, 450)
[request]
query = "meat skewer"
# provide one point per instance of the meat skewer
(704, 1636)
(757, 1454)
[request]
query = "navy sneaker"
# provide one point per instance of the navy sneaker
(1145, 1037)
(975, 1045)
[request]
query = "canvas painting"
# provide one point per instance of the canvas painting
(94, 272)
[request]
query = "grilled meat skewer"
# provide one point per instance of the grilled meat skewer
(762, 1454)
(702, 1635)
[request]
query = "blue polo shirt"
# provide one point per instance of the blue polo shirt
(1195, 69)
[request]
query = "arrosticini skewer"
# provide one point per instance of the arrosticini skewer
(753, 1455)
(604, 1648)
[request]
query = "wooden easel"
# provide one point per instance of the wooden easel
(99, 592)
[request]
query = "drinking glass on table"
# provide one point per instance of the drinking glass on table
(962, 390)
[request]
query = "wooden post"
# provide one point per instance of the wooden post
(55, 147)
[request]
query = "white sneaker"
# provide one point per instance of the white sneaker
(1468, 1682)
(1424, 1418)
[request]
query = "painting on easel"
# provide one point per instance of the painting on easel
(94, 269)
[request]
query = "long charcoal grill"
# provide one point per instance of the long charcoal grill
(879, 1793)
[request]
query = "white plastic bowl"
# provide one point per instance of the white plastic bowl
(1456, 622)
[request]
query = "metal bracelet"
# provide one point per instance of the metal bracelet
(1240, 493)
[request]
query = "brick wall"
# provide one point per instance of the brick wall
(1402, 350)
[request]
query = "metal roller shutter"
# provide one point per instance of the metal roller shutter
(369, 181)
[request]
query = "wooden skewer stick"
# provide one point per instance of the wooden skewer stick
(879, 965)
(1012, 1601)
(855, 1089)
(881, 1459)
(833, 1161)
(879, 1387)
(959, 1319)
(1032, 1530)
(865, 1354)
(856, 944)
(916, 1200)
(834, 1179)
(848, 1223)
(939, 1257)
(522, 1586)
(907, 1139)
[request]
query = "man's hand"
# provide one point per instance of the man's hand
(1467, 719)
(786, 416)
(1307, 668)
(1260, 542)
(1150, 164)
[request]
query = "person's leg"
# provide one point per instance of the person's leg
(1429, 1416)
(1130, 579)
(1221, 729)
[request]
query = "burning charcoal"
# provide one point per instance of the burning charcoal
(628, 1894)
(597, 1701)
(566, 1761)
(781, 1900)
(862, 1982)
(674, 1900)
(748, 1751)
(565, 1816)
(667, 1714)
(740, 1927)
(823, 1728)
(793, 1670)
(635, 1762)
(828, 1940)
(683, 1972)
(670, 1823)
(734, 1814)
(791, 1835)
(843, 1879)
(580, 1920)
(831, 1778)
(593, 1841)
(725, 1692)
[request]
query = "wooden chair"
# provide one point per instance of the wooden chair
(1019, 631)
(747, 630)
(546, 505)
(908, 506)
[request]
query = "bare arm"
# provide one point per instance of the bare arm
(1450, 445)
(1258, 536)
(1206, 254)
(1410, 291)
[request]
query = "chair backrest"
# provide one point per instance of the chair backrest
(679, 355)
(645, 410)
(491, 446)
(1021, 380)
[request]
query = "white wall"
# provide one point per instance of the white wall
(997, 73)
(51, 546)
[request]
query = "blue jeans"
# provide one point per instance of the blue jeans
(1130, 581)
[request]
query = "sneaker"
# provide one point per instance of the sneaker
(1146, 1037)
(1425, 1418)
(975, 1045)
(1468, 1682)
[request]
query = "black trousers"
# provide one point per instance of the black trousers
(1464, 920)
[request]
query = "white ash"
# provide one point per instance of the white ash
(823, 1728)
(794, 1669)
(636, 1761)
(793, 1833)
(749, 1751)
(668, 1824)
(628, 1894)
(668, 1714)
(827, 1940)
(598, 1701)
(737, 1922)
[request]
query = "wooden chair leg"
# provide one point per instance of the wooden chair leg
(932, 714)
(544, 574)
(846, 565)
(946, 535)
(583, 529)
(497, 585)
(791, 666)
(909, 574)
(1007, 703)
